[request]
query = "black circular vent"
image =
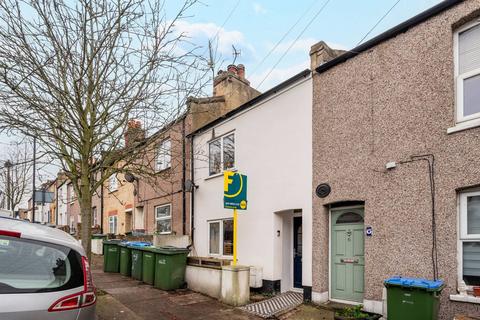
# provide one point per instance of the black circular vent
(323, 190)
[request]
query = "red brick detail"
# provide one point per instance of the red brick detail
(112, 213)
(129, 206)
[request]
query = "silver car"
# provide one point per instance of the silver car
(44, 274)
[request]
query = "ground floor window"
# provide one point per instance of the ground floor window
(470, 237)
(112, 224)
(163, 218)
(220, 237)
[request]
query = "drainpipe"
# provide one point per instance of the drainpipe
(184, 174)
(101, 202)
(192, 201)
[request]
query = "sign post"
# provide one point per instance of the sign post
(234, 197)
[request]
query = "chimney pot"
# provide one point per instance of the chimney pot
(232, 68)
(241, 71)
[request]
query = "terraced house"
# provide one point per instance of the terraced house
(396, 126)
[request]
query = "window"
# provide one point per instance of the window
(28, 266)
(113, 183)
(112, 224)
(470, 237)
(71, 193)
(163, 217)
(94, 217)
(468, 72)
(222, 154)
(164, 156)
(221, 237)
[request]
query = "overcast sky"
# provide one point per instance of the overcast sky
(255, 27)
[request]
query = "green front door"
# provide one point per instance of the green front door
(347, 252)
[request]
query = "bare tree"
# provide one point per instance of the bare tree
(75, 73)
(15, 175)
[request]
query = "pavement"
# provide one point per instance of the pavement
(124, 298)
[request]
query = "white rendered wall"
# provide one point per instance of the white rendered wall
(62, 205)
(273, 147)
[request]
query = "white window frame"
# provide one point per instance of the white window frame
(220, 243)
(459, 78)
(220, 138)
(164, 155)
(164, 218)
(112, 187)
(113, 219)
(94, 216)
(72, 194)
(462, 232)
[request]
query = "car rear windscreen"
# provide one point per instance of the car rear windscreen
(28, 266)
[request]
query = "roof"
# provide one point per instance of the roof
(267, 94)
(393, 32)
(40, 232)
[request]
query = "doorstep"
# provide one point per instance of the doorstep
(275, 306)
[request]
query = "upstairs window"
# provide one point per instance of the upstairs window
(468, 72)
(222, 154)
(164, 156)
(470, 237)
(113, 183)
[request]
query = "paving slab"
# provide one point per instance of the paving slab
(126, 298)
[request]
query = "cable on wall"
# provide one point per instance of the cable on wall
(430, 159)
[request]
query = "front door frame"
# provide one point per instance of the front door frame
(330, 253)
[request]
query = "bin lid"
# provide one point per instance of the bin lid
(168, 250)
(139, 244)
(112, 241)
(431, 285)
(99, 236)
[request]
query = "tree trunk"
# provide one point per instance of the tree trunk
(85, 202)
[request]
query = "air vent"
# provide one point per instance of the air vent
(323, 190)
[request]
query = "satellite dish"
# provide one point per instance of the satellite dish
(189, 185)
(130, 177)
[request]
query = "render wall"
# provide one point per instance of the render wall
(387, 104)
(273, 148)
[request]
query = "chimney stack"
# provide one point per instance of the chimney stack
(134, 132)
(321, 53)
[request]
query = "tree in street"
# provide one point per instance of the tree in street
(75, 75)
(15, 176)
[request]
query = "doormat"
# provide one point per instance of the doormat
(275, 306)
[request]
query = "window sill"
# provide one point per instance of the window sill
(159, 171)
(468, 298)
(220, 174)
(464, 126)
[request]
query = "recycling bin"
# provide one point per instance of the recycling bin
(170, 264)
(148, 265)
(111, 256)
(137, 257)
(125, 259)
(413, 298)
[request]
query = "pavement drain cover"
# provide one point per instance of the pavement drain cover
(274, 306)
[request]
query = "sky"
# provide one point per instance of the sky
(254, 27)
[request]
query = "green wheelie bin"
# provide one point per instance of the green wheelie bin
(413, 298)
(111, 256)
(148, 265)
(137, 258)
(170, 264)
(125, 259)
